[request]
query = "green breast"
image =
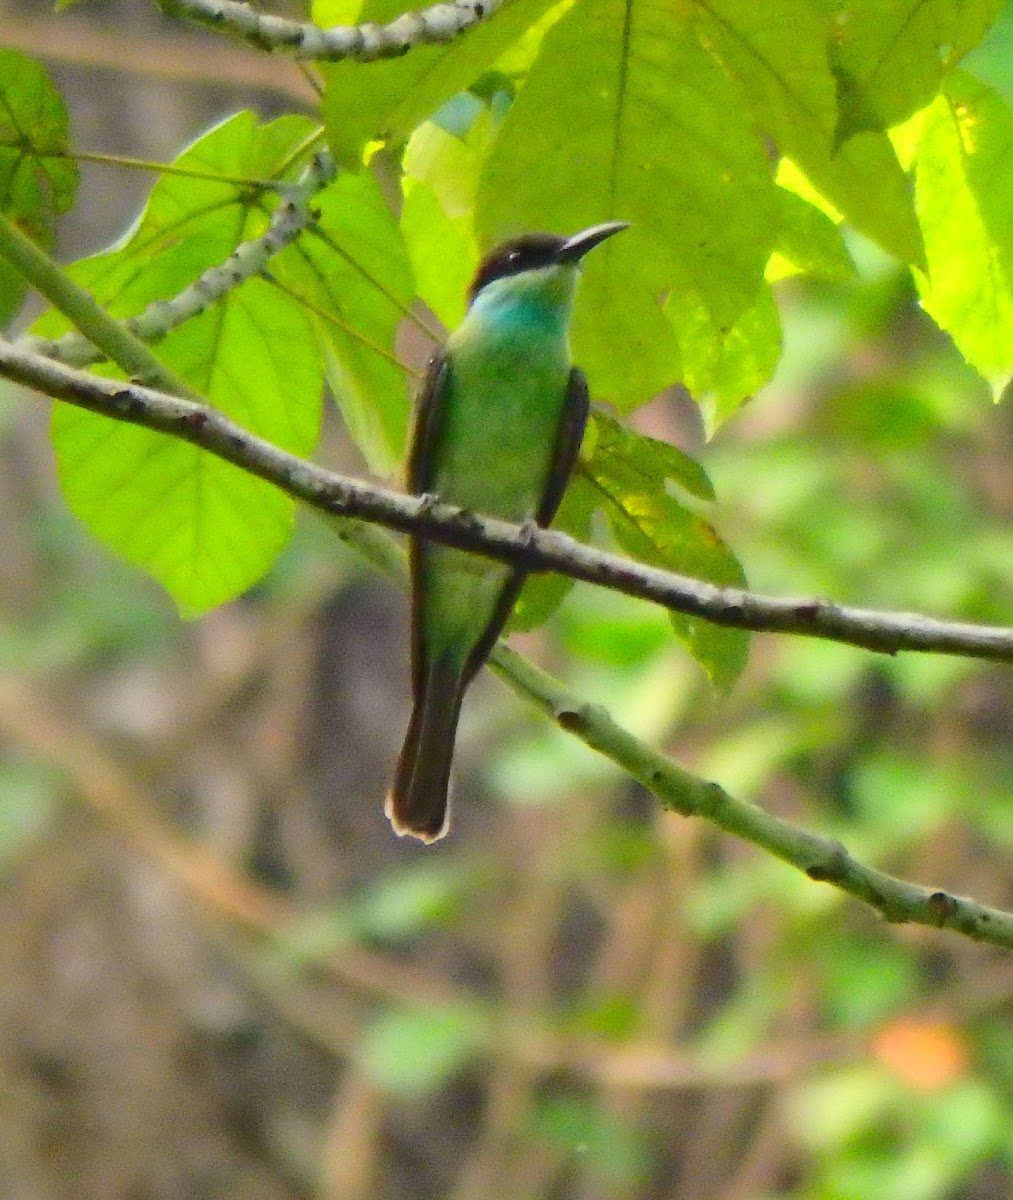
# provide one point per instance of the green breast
(501, 414)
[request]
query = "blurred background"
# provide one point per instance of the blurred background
(221, 976)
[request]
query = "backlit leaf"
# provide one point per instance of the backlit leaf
(866, 184)
(653, 527)
(890, 56)
(354, 270)
(203, 528)
(809, 243)
(723, 368)
(785, 80)
(644, 127)
(965, 202)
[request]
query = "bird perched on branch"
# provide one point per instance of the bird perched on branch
(498, 426)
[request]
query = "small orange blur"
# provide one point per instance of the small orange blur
(927, 1055)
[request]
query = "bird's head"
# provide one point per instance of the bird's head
(540, 262)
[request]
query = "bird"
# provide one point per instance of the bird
(497, 428)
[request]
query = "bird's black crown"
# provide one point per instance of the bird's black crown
(526, 253)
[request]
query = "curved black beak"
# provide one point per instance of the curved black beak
(574, 248)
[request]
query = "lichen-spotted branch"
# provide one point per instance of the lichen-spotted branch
(365, 42)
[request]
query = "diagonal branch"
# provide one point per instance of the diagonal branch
(536, 550)
(365, 43)
(289, 219)
(822, 859)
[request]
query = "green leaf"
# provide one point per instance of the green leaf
(657, 459)
(866, 184)
(788, 85)
(413, 1051)
(190, 224)
(202, 527)
(355, 272)
(326, 13)
(543, 593)
(723, 368)
(388, 98)
(809, 243)
(785, 80)
(964, 190)
(12, 292)
(653, 527)
(37, 181)
(644, 127)
(890, 56)
(621, 337)
(450, 162)
(442, 251)
(410, 901)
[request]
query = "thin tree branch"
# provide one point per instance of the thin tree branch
(290, 217)
(116, 342)
(822, 859)
(365, 43)
(535, 549)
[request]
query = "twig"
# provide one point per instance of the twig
(291, 216)
(116, 342)
(821, 858)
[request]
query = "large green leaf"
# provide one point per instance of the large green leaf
(191, 223)
(440, 181)
(621, 337)
(965, 202)
(785, 79)
(787, 83)
(992, 60)
(203, 528)
(37, 181)
(388, 98)
(442, 251)
(890, 56)
(624, 115)
(354, 269)
(651, 525)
